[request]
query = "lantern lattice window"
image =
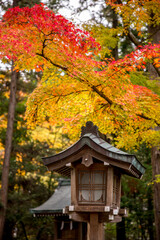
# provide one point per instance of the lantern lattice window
(92, 185)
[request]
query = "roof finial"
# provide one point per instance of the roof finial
(90, 128)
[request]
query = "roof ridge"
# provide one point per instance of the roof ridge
(91, 128)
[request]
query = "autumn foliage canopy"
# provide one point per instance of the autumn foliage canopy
(77, 85)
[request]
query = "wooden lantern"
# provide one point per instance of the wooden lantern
(95, 168)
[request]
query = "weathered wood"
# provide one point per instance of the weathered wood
(87, 160)
(64, 171)
(88, 146)
(79, 217)
(123, 212)
(103, 217)
(116, 188)
(88, 231)
(93, 227)
(95, 166)
(101, 231)
(89, 208)
(53, 166)
(55, 230)
(73, 187)
(83, 216)
(119, 193)
(109, 189)
(117, 219)
(90, 128)
(113, 162)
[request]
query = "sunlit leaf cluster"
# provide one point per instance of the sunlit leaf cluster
(137, 14)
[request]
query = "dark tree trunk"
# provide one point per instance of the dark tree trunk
(121, 231)
(38, 237)
(154, 35)
(8, 144)
(24, 230)
(150, 216)
(115, 25)
(15, 3)
(154, 32)
(156, 189)
(8, 147)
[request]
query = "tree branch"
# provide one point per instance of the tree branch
(147, 118)
(101, 94)
(133, 38)
(95, 89)
(157, 70)
(54, 64)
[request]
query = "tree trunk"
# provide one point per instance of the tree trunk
(121, 230)
(24, 230)
(156, 188)
(115, 25)
(8, 147)
(154, 32)
(150, 217)
(15, 3)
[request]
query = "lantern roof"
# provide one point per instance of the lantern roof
(57, 202)
(93, 144)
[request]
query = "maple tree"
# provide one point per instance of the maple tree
(76, 85)
(95, 86)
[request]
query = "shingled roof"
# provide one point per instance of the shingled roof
(96, 145)
(55, 204)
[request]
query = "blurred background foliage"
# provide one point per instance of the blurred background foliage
(29, 182)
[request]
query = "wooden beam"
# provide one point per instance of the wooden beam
(79, 217)
(123, 212)
(89, 208)
(53, 166)
(117, 219)
(106, 218)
